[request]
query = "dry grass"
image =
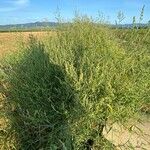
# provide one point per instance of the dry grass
(10, 41)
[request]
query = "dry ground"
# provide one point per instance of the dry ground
(9, 41)
(133, 136)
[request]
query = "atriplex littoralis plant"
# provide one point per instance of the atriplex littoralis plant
(64, 91)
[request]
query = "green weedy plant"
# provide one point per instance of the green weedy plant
(106, 78)
(63, 92)
(136, 42)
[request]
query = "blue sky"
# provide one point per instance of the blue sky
(23, 11)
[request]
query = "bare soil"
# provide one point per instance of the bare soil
(135, 135)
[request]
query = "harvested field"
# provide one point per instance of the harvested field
(10, 41)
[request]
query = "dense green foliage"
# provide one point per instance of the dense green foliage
(63, 92)
(137, 44)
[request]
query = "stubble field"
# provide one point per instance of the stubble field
(11, 41)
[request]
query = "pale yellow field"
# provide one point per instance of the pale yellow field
(10, 41)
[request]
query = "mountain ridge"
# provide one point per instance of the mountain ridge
(30, 25)
(45, 24)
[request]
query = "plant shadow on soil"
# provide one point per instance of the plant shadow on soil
(42, 101)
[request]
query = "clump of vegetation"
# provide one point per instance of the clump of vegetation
(136, 42)
(63, 92)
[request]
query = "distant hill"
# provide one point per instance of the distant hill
(128, 26)
(44, 25)
(28, 26)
